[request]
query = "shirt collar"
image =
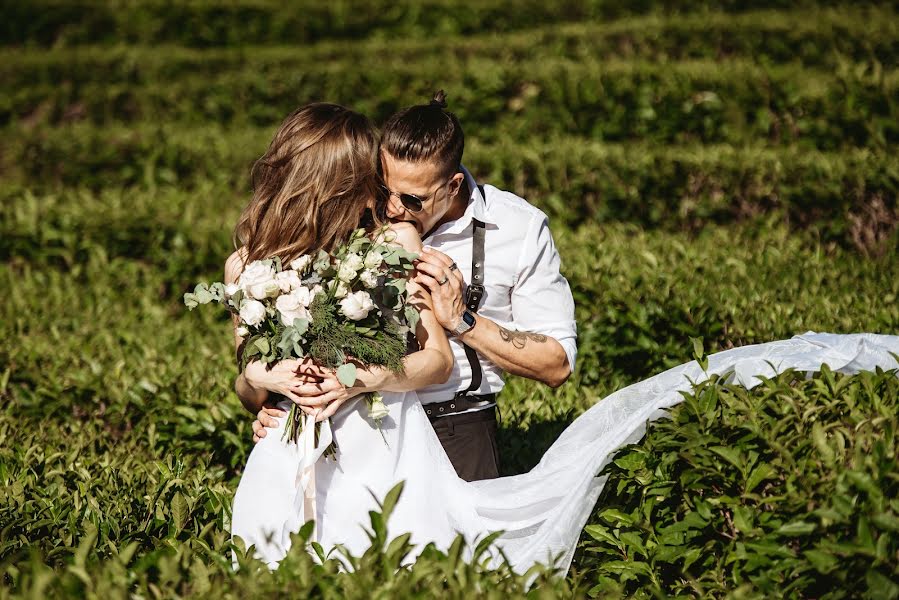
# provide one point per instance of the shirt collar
(476, 209)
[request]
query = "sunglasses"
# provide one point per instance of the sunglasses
(411, 202)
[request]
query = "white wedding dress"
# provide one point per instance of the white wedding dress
(541, 512)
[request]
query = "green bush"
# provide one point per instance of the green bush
(826, 38)
(205, 23)
(849, 197)
(787, 491)
(668, 102)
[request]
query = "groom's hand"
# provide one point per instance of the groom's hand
(440, 275)
(265, 418)
(323, 397)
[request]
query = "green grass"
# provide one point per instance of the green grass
(723, 172)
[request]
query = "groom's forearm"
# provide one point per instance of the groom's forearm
(531, 355)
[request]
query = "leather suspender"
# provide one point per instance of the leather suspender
(475, 295)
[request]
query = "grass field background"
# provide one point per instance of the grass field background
(722, 171)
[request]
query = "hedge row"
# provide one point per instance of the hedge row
(849, 196)
(788, 491)
(205, 23)
(822, 38)
(666, 103)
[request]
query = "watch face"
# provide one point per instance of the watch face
(468, 318)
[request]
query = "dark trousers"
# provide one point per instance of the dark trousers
(470, 442)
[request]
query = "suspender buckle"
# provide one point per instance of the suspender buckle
(475, 294)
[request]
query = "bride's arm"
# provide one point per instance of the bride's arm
(255, 383)
(430, 365)
(434, 361)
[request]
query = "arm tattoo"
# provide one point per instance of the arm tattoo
(519, 339)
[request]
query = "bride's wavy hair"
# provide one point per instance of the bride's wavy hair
(316, 183)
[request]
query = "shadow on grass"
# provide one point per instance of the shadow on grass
(520, 448)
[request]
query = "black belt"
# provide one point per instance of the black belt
(460, 403)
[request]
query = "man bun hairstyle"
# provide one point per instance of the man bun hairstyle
(426, 133)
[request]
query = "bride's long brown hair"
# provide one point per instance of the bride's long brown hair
(313, 186)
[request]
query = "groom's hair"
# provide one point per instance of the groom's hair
(425, 133)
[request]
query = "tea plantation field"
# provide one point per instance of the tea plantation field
(717, 171)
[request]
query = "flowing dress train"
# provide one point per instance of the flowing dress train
(541, 512)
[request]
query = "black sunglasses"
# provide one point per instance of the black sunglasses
(411, 202)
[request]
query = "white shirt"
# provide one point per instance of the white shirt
(524, 289)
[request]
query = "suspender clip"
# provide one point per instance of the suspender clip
(475, 294)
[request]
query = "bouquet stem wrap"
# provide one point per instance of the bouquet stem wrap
(304, 501)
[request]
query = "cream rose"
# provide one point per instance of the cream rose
(342, 289)
(377, 410)
(301, 264)
(288, 280)
(293, 306)
(349, 267)
(258, 281)
(252, 312)
(373, 260)
(369, 278)
(357, 305)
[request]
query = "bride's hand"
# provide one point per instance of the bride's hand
(284, 377)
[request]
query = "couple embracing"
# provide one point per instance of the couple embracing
(491, 301)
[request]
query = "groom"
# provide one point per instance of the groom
(493, 272)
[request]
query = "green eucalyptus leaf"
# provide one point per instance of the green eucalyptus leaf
(346, 374)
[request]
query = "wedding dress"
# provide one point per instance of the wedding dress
(541, 512)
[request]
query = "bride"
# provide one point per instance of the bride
(317, 182)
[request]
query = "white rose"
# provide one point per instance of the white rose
(349, 267)
(373, 260)
(252, 312)
(243, 331)
(377, 410)
(304, 295)
(356, 306)
(291, 306)
(369, 278)
(288, 280)
(301, 264)
(342, 289)
(258, 280)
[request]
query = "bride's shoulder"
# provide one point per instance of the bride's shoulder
(235, 264)
(405, 235)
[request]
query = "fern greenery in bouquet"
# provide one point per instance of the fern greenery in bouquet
(341, 309)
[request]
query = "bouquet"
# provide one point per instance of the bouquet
(341, 309)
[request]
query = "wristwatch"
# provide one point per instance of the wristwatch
(465, 323)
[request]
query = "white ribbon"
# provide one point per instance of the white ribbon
(304, 501)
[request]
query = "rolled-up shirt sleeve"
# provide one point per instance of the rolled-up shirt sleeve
(541, 297)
